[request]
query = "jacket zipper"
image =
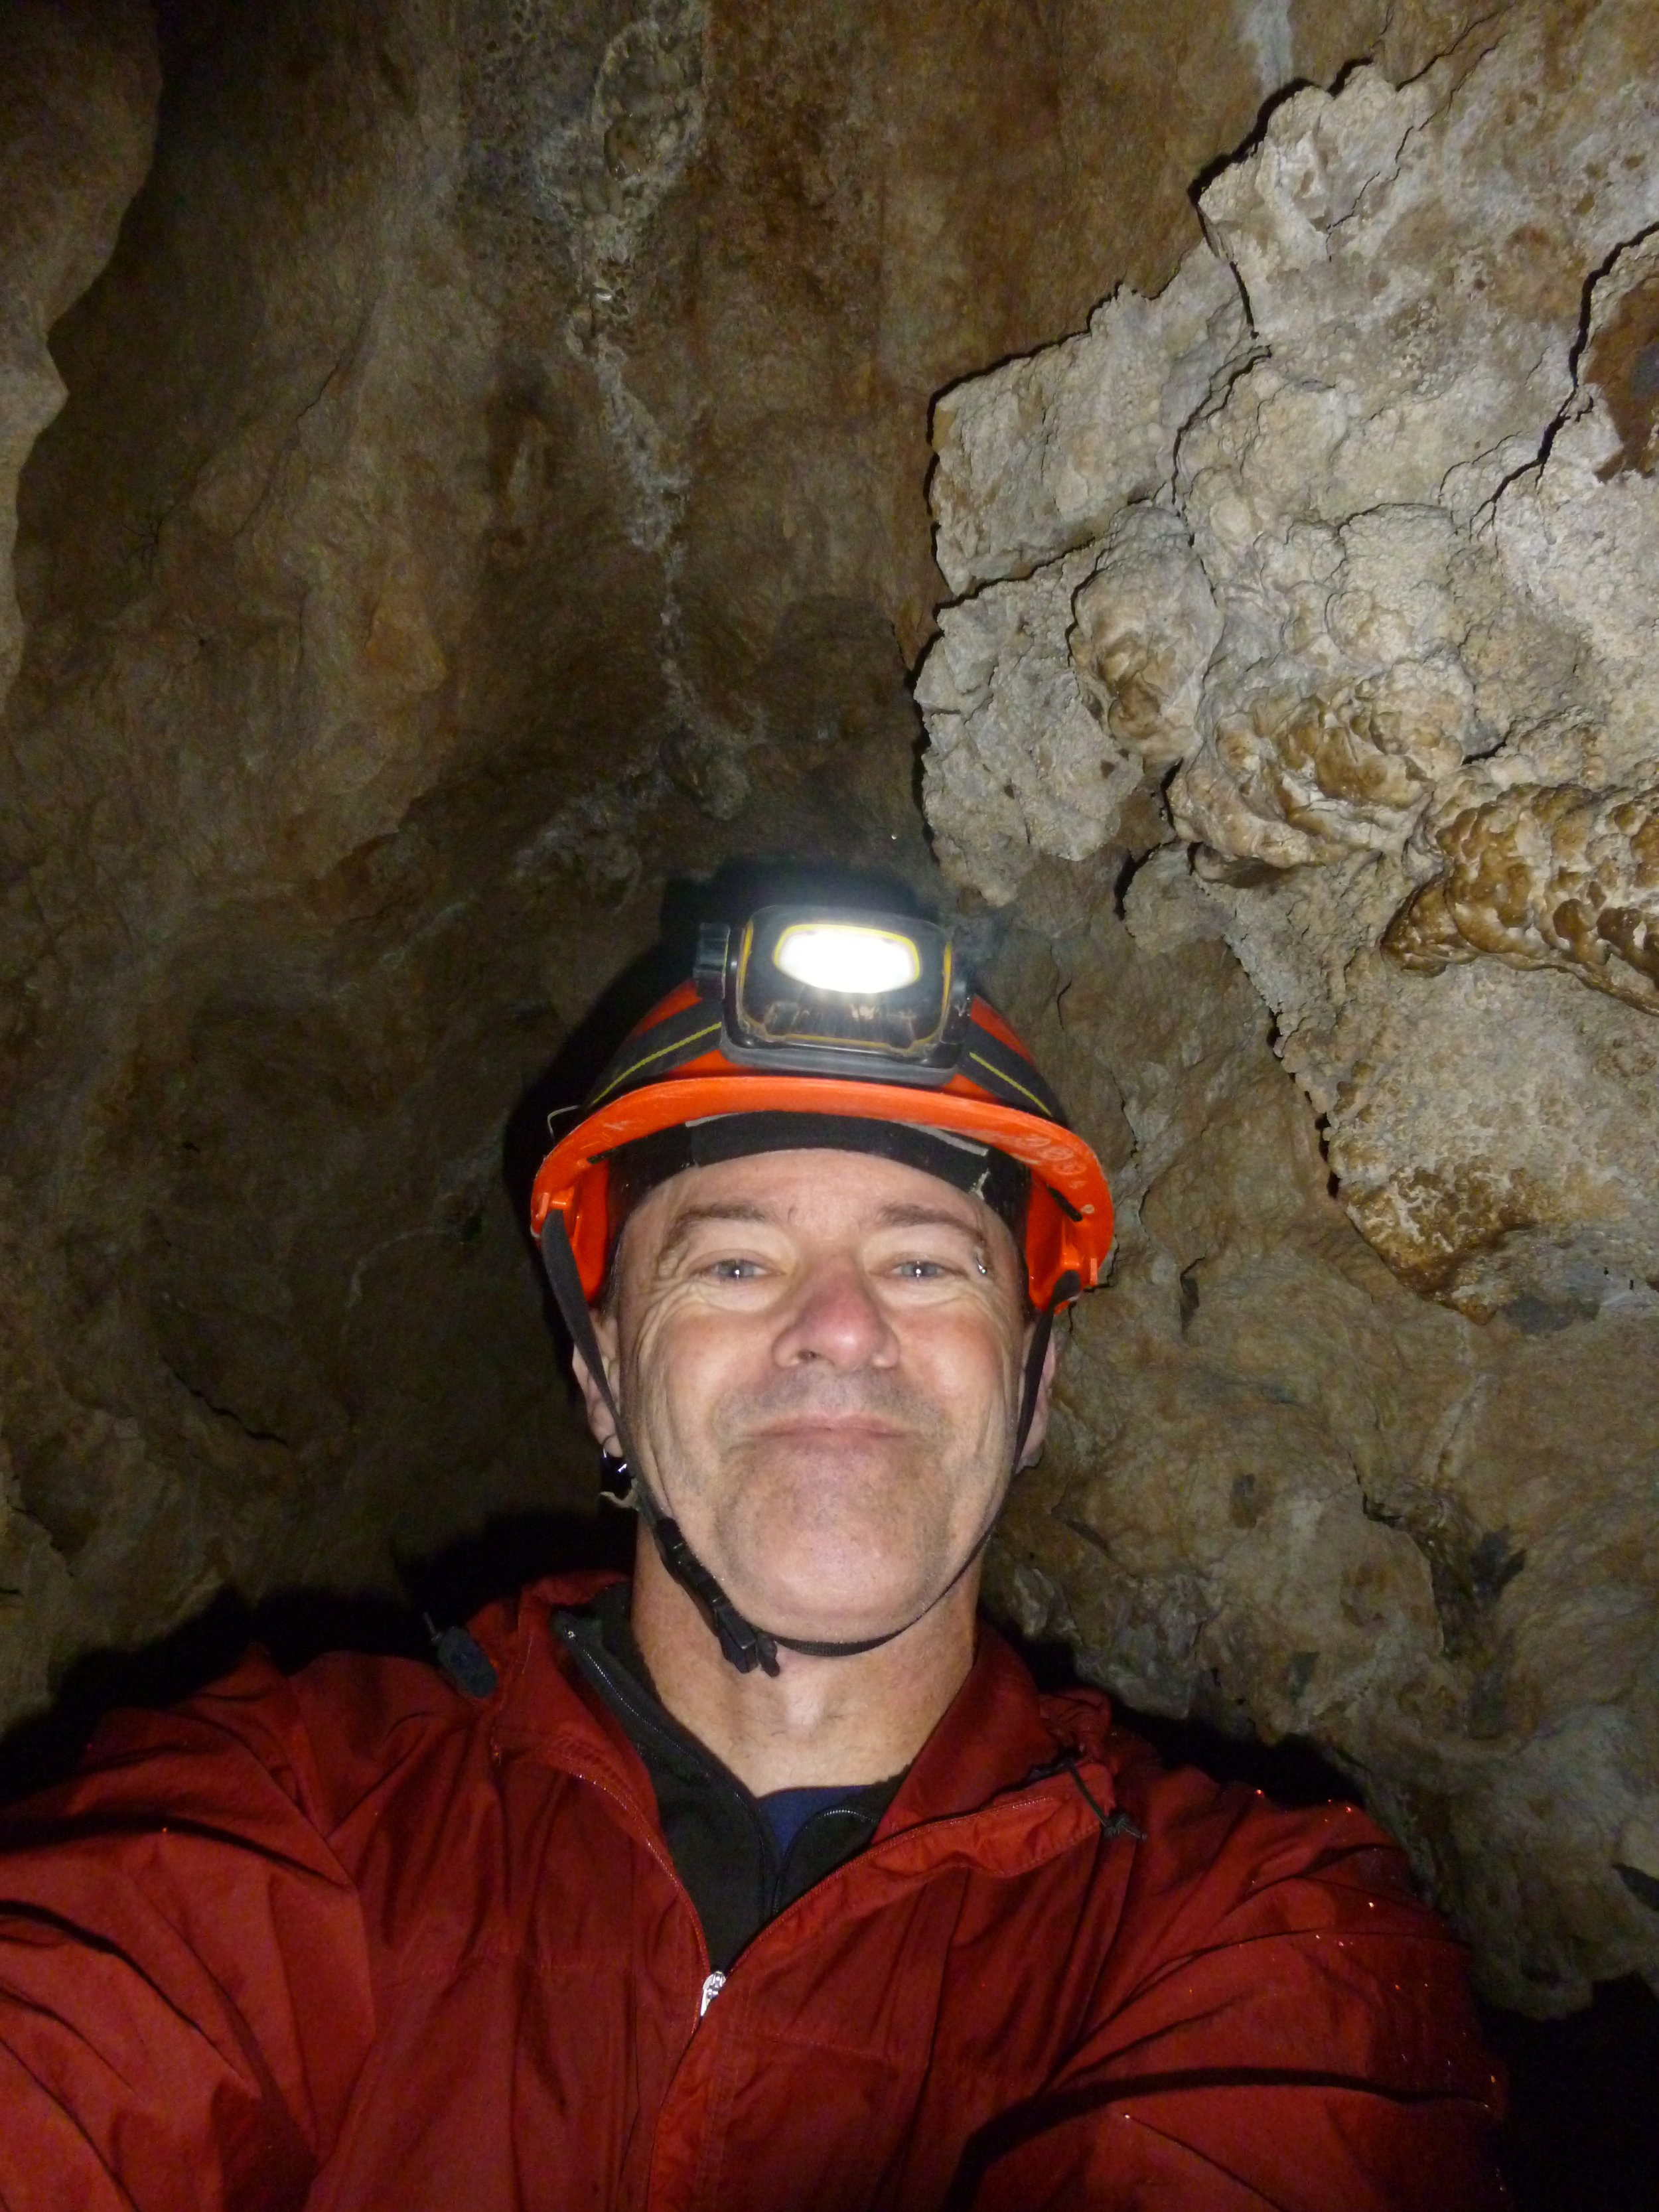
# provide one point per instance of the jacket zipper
(712, 1980)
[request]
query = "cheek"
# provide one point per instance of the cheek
(968, 1362)
(685, 1361)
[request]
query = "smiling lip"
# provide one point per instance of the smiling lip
(829, 1424)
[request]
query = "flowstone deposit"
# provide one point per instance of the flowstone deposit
(1336, 560)
(1546, 876)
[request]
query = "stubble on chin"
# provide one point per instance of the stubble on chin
(818, 1523)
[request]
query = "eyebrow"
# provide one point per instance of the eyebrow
(895, 1215)
(735, 1209)
(900, 1216)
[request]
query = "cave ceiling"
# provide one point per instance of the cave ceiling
(1171, 486)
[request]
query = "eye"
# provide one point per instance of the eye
(922, 1271)
(734, 1271)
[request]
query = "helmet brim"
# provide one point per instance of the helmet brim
(1069, 1237)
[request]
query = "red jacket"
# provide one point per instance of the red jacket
(352, 1940)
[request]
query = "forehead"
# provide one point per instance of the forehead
(825, 1193)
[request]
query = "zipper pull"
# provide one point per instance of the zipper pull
(711, 1990)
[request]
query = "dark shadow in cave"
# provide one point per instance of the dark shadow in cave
(1584, 2125)
(293, 1625)
(298, 1626)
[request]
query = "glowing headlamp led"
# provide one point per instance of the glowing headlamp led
(848, 957)
(818, 992)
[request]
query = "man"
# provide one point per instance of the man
(771, 1881)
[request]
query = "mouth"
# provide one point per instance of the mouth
(825, 1428)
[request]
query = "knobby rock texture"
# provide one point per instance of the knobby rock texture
(1313, 595)
(470, 475)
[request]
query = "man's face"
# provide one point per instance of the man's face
(820, 1358)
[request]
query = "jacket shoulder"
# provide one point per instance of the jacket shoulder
(1200, 1820)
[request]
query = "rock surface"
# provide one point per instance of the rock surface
(1345, 543)
(79, 82)
(490, 491)
(1353, 527)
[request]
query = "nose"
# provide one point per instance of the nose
(836, 1317)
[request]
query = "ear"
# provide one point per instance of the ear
(1039, 1428)
(599, 1414)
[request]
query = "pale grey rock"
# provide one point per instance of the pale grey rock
(1390, 622)
(1391, 619)
(1144, 627)
(1018, 763)
(1165, 905)
(1038, 456)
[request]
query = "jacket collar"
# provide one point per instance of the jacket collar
(995, 1735)
(991, 1738)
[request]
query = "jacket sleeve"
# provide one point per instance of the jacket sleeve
(184, 1994)
(1281, 2023)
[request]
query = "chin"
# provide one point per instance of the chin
(829, 1577)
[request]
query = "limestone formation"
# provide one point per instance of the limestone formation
(1039, 458)
(1369, 568)
(1018, 761)
(1289, 1494)
(1144, 624)
(1545, 877)
(1360, 575)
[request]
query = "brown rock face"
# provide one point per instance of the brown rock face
(492, 492)
(78, 87)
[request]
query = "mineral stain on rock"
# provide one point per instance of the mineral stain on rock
(1623, 364)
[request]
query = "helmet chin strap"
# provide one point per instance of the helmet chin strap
(742, 1643)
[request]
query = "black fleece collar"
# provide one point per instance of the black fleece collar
(717, 1833)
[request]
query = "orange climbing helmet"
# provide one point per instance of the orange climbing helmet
(811, 1028)
(814, 1028)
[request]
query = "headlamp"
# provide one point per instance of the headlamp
(802, 988)
(846, 958)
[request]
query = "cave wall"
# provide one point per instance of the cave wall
(1323, 583)
(487, 484)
